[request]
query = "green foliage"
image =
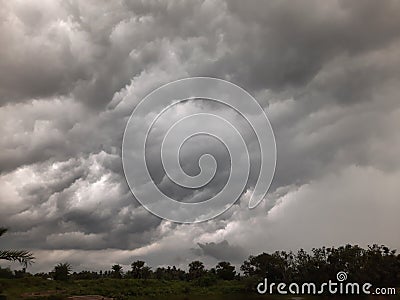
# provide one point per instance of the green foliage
(85, 275)
(206, 280)
(6, 273)
(274, 266)
(126, 288)
(225, 270)
(378, 265)
(22, 256)
(196, 269)
(21, 273)
(140, 270)
(116, 271)
(62, 271)
(250, 283)
(169, 273)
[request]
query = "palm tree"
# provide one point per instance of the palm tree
(22, 256)
(117, 271)
(62, 271)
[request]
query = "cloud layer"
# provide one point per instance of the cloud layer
(71, 72)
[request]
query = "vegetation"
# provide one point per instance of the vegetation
(116, 271)
(140, 270)
(378, 265)
(126, 288)
(62, 271)
(225, 270)
(22, 256)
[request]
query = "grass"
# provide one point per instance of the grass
(116, 288)
(125, 289)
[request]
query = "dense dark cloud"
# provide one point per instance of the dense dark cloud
(223, 251)
(71, 72)
(297, 39)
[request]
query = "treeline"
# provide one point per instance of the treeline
(139, 270)
(378, 265)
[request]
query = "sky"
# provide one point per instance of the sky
(326, 73)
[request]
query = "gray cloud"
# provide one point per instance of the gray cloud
(223, 251)
(71, 73)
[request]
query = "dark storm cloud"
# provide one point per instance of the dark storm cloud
(62, 48)
(289, 43)
(67, 49)
(223, 251)
(71, 73)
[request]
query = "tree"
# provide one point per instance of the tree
(196, 269)
(117, 271)
(137, 267)
(169, 273)
(140, 270)
(276, 266)
(22, 256)
(62, 271)
(225, 270)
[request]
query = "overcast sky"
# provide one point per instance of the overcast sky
(327, 74)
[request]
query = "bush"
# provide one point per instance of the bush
(250, 283)
(206, 280)
(6, 273)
